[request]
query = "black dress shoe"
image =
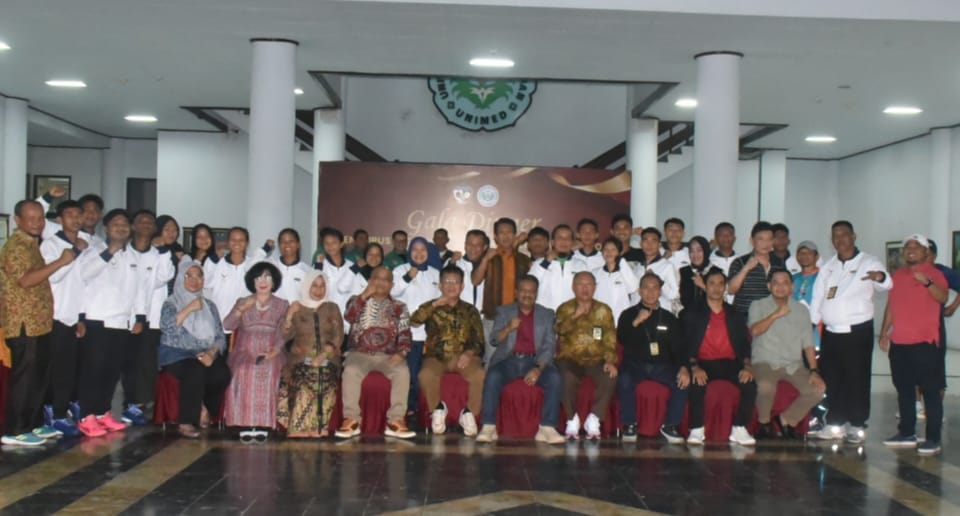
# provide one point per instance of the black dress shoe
(789, 432)
(766, 431)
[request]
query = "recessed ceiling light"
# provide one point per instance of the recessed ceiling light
(298, 91)
(491, 62)
(143, 119)
(823, 138)
(66, 83)
(4, 46)
(687, 103)
(902, 110)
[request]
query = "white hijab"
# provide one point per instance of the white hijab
(199, 324)
(308, 301)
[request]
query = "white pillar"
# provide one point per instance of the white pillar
(642, 140)
(941, 158)
(272, 122)
(329, 144)
(113, 180)
(3, 189)
(773, 185)
(716, 140)
(14, 153)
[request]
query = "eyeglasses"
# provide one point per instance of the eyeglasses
(265, 277)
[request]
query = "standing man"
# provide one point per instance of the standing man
(538, 244)
(621, 228)
(26, 315)
(586, 346)
(498, 272)
(911, 333)
(440, 239)
(748, 273)
(526, 343)
(397, 256)
(843, 302)
(781, 341)
(803, 281)
(724, 236)
(588, 232)
(357, 249)
(475, 246)
(781, 247)
(953, 282)
(675, 251)
(555, 272)
(657, 264)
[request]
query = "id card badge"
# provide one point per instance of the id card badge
(654, 349)
(832, 293)
(597, 333)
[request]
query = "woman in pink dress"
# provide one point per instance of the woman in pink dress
(257, 356)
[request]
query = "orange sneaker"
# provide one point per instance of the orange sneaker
(349, 428)
(109, 424)
(398, 428)
(90, 427)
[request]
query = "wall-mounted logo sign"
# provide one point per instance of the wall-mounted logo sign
(479, 104)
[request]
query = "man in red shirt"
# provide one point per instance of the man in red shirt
(719, 350)
(911, 333)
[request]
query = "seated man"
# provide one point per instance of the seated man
(653, 349)
(586, 346)
(525, 344)
(719, 350)
(379, 341)
(454, 344)
(781, 340)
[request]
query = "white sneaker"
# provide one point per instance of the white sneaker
(592, 426)
(488, 434)
(741, 436)
(855, 434)
(468, 423)
(573, 428)
(438, 420)
(830, 433)
(697, 436)
(549, 435)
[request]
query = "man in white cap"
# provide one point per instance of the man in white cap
(843, 301)
(911, 332)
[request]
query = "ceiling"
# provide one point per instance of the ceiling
(156, 56)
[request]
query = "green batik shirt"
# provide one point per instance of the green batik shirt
(451, 331)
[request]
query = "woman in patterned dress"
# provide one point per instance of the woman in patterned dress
(257, 357)
(308, 384)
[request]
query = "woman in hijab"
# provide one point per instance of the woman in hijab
(692, 288)
(415, 283)
(308, 384)
(354, 284)
(191, 347)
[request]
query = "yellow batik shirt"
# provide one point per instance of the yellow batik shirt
(450, 330)
(589, 339)
(28, 308)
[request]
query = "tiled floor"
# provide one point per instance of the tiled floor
(147, 472)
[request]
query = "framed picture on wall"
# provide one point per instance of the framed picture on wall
(894, 255)
(220, 237)
(4, 228)
(42, 184)
(956, 251)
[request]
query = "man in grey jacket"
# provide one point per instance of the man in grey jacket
(523, 334)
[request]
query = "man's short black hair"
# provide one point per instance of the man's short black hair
(778, 270)
(451, 269)
(559, 227)
(329, 231)
(398, 232)
(538, 231)
(714, 271)
(357, 232)
(18, 208)
(723, 225)
(239, 229)
(528, 277)
(479, 233)
(505, 220)
(117, 212)
(674, 220)
(144, 211)
(440, 230)
(651, 231)
(650, 274)
(257, 270)
(621, 216)
(842, 223)
(66, 205)
(760, 227)
(94, 198)
(615, 242)
(780, 226)
(587, 221)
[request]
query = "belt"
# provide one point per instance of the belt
(524, 355)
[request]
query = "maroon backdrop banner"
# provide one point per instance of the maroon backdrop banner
(419, 198)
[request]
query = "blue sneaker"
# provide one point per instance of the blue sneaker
(47, 432)
(27, 439)
(66, 427)
(74, 410)
(48, 415)
(133, 416)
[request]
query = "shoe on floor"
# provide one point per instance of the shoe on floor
(90, 427)
(349, 428)
(188, 431)
(830, 433)
(629, 433)
(592, 426)
(438, 419)
(398, 428)
(901, 441)
(468, 423)
(109, 424)
(25, 439)
(740, 435)
(549, 435)
(133, 415)
(67, 427)
(929, 448)
(47, 432)
(697, 436)
(672, 434)
(488, 434)
(573, 428)
(855, 435)
(73, 408)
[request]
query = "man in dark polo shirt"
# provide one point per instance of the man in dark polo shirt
(748, 273)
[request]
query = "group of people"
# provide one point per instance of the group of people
(268, 340)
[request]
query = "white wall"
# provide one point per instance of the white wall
(811, 202)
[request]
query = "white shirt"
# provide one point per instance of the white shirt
(793, 265)
(680, 258)
(472, 294)
(352, 284)
(114, 290)
(334, 276)
(413, 293)
(670, 291)
(556, 279)
(841, 298)
(52, 227)
(614, 288)
(723, 263)
(66, 283)
(594, 261)
(156, 270)
(226, 283)
(292, 278)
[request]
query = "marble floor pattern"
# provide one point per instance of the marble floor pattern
(145, 471)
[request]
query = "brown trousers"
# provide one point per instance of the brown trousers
(432, 371)
(572, 373)
(767, 379)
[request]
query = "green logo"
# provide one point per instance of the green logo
(480, 104)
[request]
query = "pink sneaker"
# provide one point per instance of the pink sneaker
(109, 424)
(90, 427)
